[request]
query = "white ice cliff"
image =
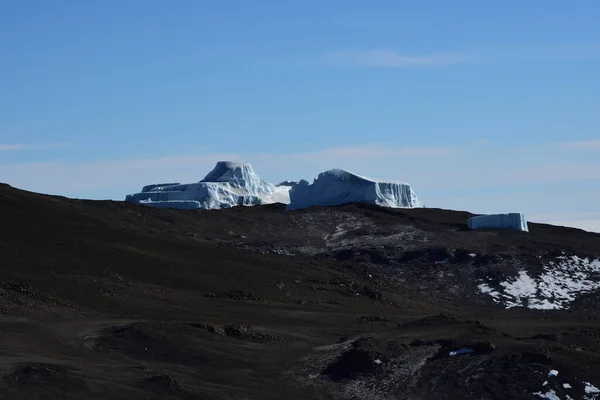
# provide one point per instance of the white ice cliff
(514, 221)
(228, 184)
(337, 186)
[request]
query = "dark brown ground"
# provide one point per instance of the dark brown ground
(106, 299)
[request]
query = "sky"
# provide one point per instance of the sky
(481, 106)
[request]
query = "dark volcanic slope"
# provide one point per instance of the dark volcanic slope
(111, 300)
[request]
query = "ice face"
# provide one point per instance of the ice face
(229, 184)
(337, 186)
(241, 176)
(515, 221)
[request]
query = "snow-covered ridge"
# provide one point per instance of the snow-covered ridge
(560, 283)
(338, 186)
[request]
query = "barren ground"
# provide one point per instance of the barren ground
(103, 299)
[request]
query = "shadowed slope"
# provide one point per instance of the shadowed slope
(108, 299)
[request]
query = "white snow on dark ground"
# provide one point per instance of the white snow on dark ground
(591, 392)
(550, 395)
(559, 285)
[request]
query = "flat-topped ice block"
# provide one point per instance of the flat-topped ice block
(515, 221)
(338, 186)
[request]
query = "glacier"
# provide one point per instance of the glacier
(514, 221)
(229, 184)
(232, 184)
(338, 186)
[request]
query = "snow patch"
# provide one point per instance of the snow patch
(550, 395)
(521, 287)
(560, 283)
(591, 390)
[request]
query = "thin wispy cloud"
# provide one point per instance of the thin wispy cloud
(25, 147)
(585, 145)
(371, 151)
(131, 173)
(12, 147)
(391, 58)
(454, 167)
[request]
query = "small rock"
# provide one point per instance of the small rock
(485, 347)
(543, 336)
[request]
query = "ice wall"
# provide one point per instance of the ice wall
(336, 186)
(514, 221)
(229, 184)
(240, 176)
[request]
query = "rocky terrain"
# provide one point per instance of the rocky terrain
(102, 299)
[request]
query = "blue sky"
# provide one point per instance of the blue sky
(484, 106)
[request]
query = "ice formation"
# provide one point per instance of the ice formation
(337, 186)
(515, 221)
(228, 184)
(231, 184)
